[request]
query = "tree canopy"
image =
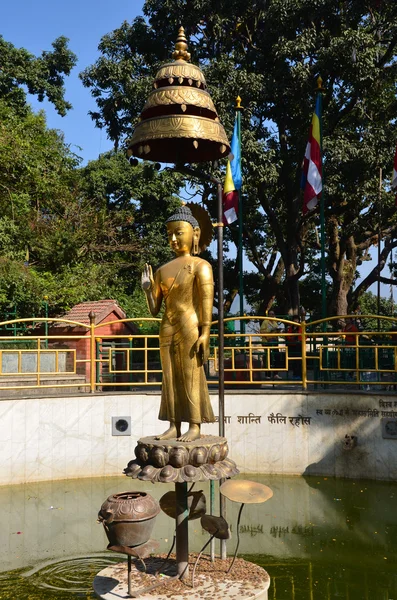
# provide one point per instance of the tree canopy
(74, 233)
(271, 55)
(43, 76)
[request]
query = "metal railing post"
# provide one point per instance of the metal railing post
(92, 352)
(38, 362)
(97, 359)
(304, 362)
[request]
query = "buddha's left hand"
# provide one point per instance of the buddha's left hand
(203, 347)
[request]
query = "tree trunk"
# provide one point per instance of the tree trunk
(292, 290)
(271, 287)
(339, 304)
(344, 265)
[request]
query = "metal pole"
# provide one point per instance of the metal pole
(379, 242)
(221, 329)
(182, 530)
(240, 227)
(212, 508)
(129, 576)
(221, 346)
(322, 213)
(322, 227)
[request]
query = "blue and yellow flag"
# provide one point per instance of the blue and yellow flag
(233, 180)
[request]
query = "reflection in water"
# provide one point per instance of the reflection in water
(319, 538)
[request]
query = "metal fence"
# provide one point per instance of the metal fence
(259, 353)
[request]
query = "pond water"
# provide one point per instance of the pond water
(319, 538)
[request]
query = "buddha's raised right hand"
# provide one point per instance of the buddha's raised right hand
(147, 281)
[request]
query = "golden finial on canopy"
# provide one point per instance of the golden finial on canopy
(179, 122)
(181, 52)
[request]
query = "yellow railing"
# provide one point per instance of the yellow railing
(58, 353)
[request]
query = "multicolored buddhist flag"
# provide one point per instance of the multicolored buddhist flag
(394, 176)
(233, 180)
(312, 179)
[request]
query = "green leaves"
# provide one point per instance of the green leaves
(43, 76)
(87, 231)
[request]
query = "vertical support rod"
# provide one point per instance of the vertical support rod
(221, 348)
(221, 330)
(182, 530)
(129, 576)
(212, 507)
(92, 352)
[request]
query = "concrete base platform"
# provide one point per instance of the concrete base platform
(247, 581)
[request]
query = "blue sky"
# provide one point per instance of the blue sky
(34, 25)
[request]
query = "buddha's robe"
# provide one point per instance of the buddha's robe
(186, 285)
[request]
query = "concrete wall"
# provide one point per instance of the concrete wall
(289, 433)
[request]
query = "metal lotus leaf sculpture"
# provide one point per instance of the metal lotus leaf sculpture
(246, 492)
(196, 504)
(218, 528)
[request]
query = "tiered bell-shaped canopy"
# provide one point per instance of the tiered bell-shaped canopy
(179, 123)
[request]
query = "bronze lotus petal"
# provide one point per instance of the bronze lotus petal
(133, 469)
(148, 473)
(211, 472)
(190, 473)
(168, 474)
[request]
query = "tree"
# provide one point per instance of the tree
(271, 54)
(71, 233)
(43, 76)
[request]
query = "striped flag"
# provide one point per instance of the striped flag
(311, 182)
(394, 176)
(233, 180)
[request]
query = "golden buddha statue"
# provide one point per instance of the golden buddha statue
(187, 288)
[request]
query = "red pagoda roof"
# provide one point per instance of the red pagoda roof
(101, 308)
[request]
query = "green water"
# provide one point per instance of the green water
(318, 538)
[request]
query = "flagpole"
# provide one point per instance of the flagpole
(379, 241)
(239, 108)
(322, 212)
